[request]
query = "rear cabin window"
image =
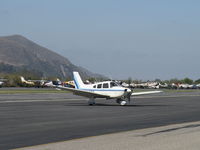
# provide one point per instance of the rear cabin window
(105, 85)
(99, 86)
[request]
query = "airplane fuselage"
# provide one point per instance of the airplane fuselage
(111, 92)
(108, 88)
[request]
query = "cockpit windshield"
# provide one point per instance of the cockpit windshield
(112, 84)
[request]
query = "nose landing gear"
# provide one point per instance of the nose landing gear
(121, 102)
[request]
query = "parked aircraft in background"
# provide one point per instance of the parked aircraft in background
(183, 86)
(69, 84)
(187, 86)
(153, 85)
(198, 86)
(29, 82)
(157, 85)
(106, 89)
(150, 85)
(52, 83)
(40, 83)
(2, 81)
(163, 85)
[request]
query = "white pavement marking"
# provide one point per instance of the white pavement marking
(184, 136)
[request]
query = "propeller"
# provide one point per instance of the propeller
(127, 94)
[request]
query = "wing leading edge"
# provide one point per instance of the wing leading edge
(145, 93)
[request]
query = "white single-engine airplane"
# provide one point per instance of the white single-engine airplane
(106, 89)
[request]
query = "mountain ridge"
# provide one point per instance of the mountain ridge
(22, 53)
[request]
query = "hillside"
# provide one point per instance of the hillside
(17, 53)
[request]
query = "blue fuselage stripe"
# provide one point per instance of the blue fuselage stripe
(107, 90)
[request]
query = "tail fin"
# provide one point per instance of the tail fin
(78, 81)
(22, 79)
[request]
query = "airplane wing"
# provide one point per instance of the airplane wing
(83, 92)
(145, 93)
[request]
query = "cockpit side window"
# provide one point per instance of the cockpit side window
(99, 86)
(105, 85)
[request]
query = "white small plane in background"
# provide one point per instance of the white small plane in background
(2, 81)
(40, 83)
(30, 82)
(106, 89)
(52, 83)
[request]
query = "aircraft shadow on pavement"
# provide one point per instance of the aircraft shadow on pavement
(131, 105)
(111, 105)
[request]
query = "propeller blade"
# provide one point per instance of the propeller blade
(127, 94)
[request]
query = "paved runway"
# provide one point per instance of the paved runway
(32, 119)
(184, 136)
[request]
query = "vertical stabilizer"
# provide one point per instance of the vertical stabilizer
(78, 81)
(22, 79)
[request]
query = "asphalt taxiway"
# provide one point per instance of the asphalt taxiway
(32, 119)
(182, 136)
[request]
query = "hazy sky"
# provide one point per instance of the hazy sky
(142, 39)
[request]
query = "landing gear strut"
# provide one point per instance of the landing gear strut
(91, 101)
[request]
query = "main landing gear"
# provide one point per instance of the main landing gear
(91, 101)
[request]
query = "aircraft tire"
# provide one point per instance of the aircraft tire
(123, 103)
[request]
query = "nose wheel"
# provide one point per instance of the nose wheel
(121, 102)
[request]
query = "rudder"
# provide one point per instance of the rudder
(78, 81)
